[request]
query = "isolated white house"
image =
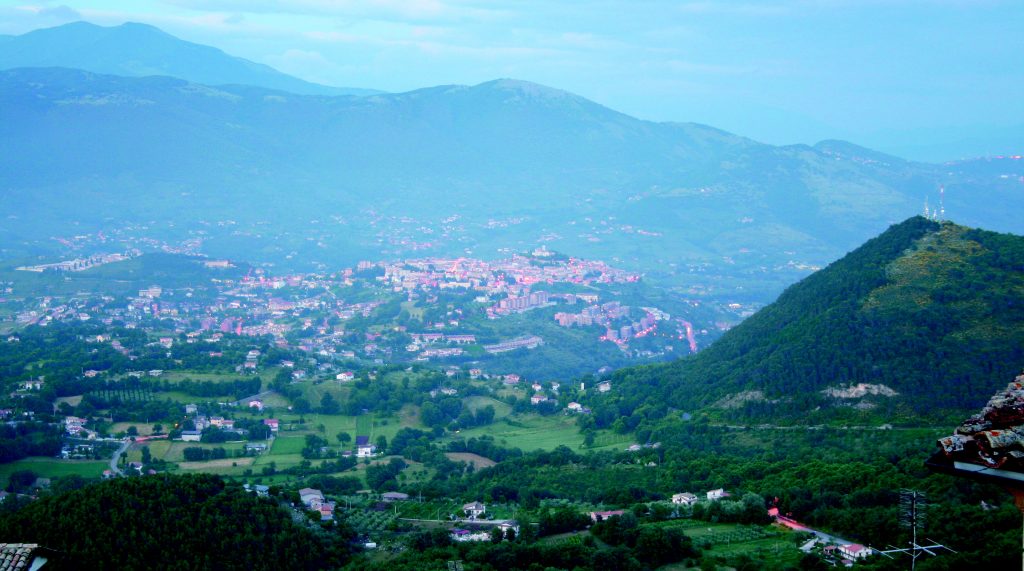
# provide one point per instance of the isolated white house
(685, 498)
(717, 494)
(474, 510)
(855, 551)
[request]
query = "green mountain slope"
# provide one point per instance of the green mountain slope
(925, 319)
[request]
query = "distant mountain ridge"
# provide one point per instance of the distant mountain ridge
(514, 161)
(98, 150)
(925, 319)
(138, 50)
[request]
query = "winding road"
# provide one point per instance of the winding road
(114, 460)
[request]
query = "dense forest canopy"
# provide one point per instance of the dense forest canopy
(171, 522)
(927, 317)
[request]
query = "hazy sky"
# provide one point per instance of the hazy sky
(930, 79)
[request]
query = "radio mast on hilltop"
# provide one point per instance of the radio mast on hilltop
(937, 214)
(942, 202)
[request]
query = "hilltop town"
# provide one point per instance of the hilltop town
(459, 313)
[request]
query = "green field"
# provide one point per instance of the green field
(414, 473)
(332, 423)
(314, 391)
(222, 467)
(175, 376)
(570, 538)
(157, 449)
(777, 549)
(364, 425)
(173, 451)
(530, 432)
(54, 467)
(287, 445)
(731, 540)
(428, 510)
(290, 441)
(723, 535)
(608, 439)
(185, 398)
(371, 425)
(144, 428)
(525, 431)
(280, 461)
(501, 410)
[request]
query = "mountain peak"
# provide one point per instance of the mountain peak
(80, 27)
(520, 85)
(531, 91)
(139, 28)
(135, 49)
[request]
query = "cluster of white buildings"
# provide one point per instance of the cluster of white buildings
(689, 499)
(75, 427)
(78, 264)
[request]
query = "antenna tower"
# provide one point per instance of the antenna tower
(942, 202)
(914, 515)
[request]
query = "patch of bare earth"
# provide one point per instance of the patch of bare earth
(739, 399)
(476, 460)
(859, 390)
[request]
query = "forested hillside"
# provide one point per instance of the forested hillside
(925, 319)
(170, 522)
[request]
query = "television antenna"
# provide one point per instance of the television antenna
(914, 515)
